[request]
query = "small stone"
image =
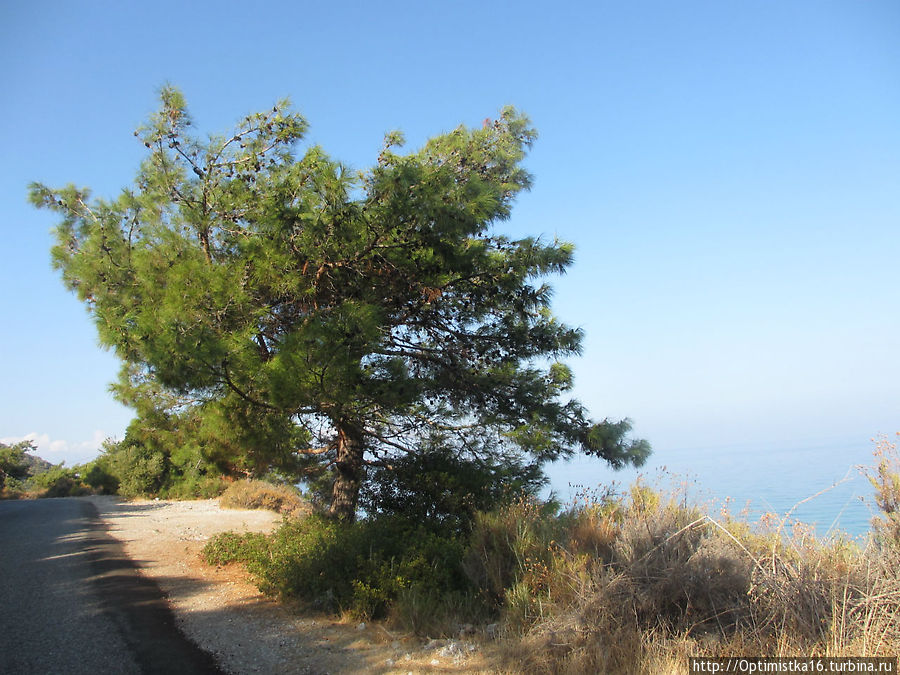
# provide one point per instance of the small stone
(451, 649)
(361, 626)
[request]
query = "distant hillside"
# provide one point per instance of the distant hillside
(36, 464)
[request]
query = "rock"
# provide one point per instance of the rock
(451, 649)
(361, 626)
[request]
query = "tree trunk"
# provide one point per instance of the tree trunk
(348, 475)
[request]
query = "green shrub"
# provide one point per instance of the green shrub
(358, 567)
(13, 489)
(100, 479)
(60, 481)
(303, 562)
(148, 462)
(230, 547)
(141, 470)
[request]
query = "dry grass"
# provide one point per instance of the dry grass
(885, 478)
(257, 494)
(640, 582)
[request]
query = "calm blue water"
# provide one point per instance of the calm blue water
(759, 477)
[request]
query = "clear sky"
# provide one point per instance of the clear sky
(729, 173)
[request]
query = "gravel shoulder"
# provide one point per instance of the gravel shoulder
(224, 613)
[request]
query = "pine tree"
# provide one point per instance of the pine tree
(347, 315)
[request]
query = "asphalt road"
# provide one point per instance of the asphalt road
(72, 602)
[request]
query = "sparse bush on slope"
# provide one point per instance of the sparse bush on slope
(885, 478)
(258, 494)
(636, 581)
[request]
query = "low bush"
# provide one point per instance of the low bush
(507, 544)
(436, 614)
(258, 494)
(230, 547)
(60, 481)
(359, 568)
(13, 489)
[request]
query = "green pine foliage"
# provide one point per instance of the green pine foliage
(295, 313)
(22, 472)
(444, 487)
(14, 467)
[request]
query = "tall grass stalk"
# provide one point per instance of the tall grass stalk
(640, 581)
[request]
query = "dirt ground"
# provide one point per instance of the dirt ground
(224, 613)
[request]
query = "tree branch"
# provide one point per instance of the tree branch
(243, 395)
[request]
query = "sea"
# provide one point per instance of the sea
(822, 484)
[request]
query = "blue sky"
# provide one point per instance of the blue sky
(729, 173)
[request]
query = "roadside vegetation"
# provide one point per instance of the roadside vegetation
(131, 468)
(260, 494)
(23, 474)
(632, 581)
(635, 580)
